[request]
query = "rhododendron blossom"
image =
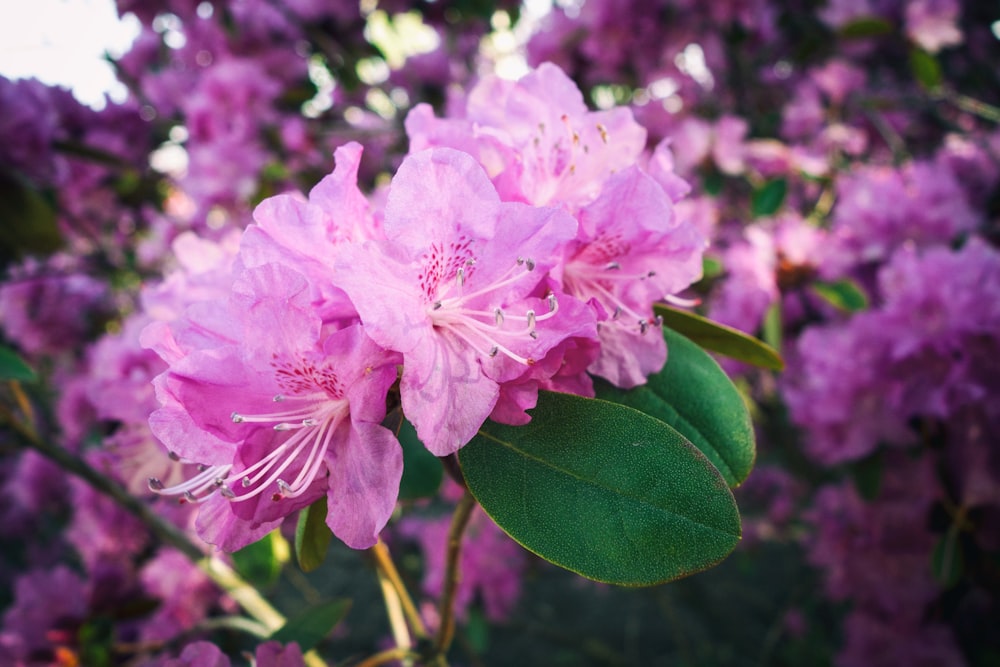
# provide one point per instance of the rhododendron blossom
(460, 291)
(280, 412)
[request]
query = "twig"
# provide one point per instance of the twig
(383, 561)
(388, 656)
(223, 575)
(459, 521)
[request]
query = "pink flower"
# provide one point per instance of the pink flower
(279, 409)
(460, 292)
(629, 253)
(536, 138)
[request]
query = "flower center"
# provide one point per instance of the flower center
(311, 418)
(587, 280)
(489, 332)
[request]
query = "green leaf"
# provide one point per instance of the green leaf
(865, 26)
(477, 631)
(310, 627)
(27, 221)
(312, 536)
(926, 69)
(767, 199)
(947, 559)
(719, 338)
(13, 367)
(603, 490)
(260, 563)
(695, 397)
(867, 474)
(844, 294)
(422, 471)
(710, 268)
(773, 328)
(713, 183)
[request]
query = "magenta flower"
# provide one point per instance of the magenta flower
(631, 252)
(280, 410)
(460, 292)
(536, 138)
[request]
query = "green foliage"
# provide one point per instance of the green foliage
(844, 294)
(926, 69)
(312, 536)
(768, 198)
(422, 471)
(311, 626)
(719, 338)
(603, 490)
(947, 559)
(864, 27)
(13, 367)
(694, 396)
(27, 221)
(260, 563)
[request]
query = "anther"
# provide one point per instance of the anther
(173, 456)
(531, 319)
(651, 274)
(236, 417)
(226, 492)
(604, 132)
(493, 351)
(643, 326)
(436, 305)
(190, 497)
(283, 426)
(246, 481)
(278, 398)
(498, 316)
(533, 334)
(309, 422)
(154, 484)
(617, 313)
(283, 486)
(659, 320)
(613, 265)
(530, 263)
(460, 276)
(202, 467)
(553, 304)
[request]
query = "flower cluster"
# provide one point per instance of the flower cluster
(484, 278)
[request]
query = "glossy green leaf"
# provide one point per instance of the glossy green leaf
(603, 490)
(845, 294)
(926, 69)
(422, 471)
(310, 627)
(260, 563)
(865, 26)
(719, 338)
(13, 367)
(312, 536)
(767, 199)
(695, 397)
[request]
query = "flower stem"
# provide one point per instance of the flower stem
(388, 656)
(387, 568)
(459, 521)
